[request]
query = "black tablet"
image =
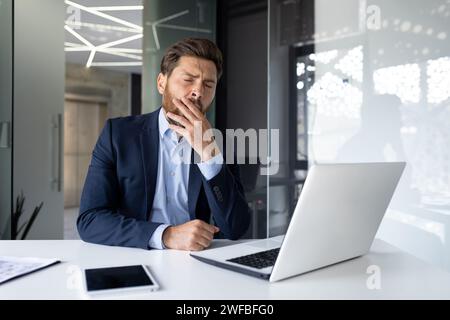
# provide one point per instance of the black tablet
(119, 279)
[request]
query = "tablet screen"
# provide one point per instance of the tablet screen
(116, 277)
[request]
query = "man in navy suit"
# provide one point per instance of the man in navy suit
(143, 188)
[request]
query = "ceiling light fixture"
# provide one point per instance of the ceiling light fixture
(103, 15)
(156, 23)
(107, 51)
(116, 64)
(172, 26)
(118, 8)
(106, 47)
(91, 58)
(102, 48)
(74, 47)
(160, 24)
(96, 26)
(71, 44)
(121, 41)
(125, 26)
(78, 36)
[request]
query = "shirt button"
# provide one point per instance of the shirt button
(172, 174)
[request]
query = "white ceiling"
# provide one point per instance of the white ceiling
(105, 34)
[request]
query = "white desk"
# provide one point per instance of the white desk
(183, 277)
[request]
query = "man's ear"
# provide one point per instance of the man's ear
(161, 83)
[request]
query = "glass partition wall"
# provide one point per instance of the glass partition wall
(347, 81)
(166, 22)
(6, 76)
(366, 81)
(30, 138)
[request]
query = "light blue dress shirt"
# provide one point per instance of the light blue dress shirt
(170, 204)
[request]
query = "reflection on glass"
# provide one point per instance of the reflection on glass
(438, 81)
(351, 64)
(402, 81)
(166, 22)
(375, 83)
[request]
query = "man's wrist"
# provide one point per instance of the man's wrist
(211, 167)
(165, 236)
(155, 241)
(209, 152)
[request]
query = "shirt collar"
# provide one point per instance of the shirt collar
(164, 128)
(163, 123)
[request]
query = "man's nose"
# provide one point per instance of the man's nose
(196, 93)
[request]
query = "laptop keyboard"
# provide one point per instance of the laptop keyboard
(258, 260)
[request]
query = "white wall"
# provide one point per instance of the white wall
(405, 54)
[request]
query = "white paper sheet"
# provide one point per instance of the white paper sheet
(13, 267)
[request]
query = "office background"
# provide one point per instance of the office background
(347, 81)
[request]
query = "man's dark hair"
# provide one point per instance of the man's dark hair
(191, 47)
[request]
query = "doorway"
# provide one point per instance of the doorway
(83, 122)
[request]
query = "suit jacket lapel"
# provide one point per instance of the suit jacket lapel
(149, 151)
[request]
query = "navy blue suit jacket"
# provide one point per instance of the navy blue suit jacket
(118, 194)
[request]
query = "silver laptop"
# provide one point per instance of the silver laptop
(336, 218)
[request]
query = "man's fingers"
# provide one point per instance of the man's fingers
(184, 110)
(206, 234)
(181, 120)
(190, 105)
(196, 247)
(210, 228)
(179, 130)
(202, 240)
(193, 235)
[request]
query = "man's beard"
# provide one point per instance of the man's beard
(169, 106)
